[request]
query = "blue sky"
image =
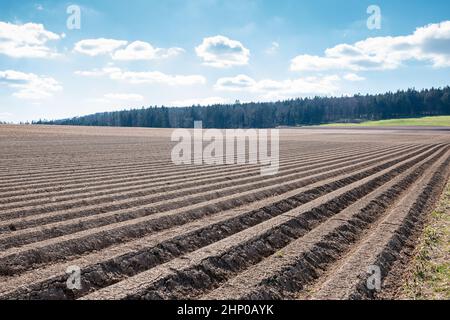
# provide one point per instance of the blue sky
(139, 53)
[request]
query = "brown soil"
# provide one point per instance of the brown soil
(110, 201)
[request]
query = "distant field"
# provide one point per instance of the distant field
(440, 121)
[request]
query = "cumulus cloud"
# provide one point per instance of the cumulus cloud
(26, 40)
(239, 82)
(139, 50)
(29, 85)
(200, 101)
(430, 43)
(222, 52)
(274, 89)
(100, 46)
(141, 77)
(121, 50)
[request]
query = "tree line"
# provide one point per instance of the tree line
(294, 112)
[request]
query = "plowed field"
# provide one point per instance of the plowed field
(110, 201)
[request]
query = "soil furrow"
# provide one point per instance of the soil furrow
(20, 259)
(140, 185)
(209, 183)
(79, 170)
(103, 219)
(195, 171)
(140, 259)
(303, 261)
(196, 272)
(390, 243)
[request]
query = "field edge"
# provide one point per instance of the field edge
(431, 121)
(428, 274)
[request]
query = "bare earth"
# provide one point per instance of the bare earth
(110, 201)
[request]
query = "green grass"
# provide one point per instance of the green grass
(429, 275)
(438, 121)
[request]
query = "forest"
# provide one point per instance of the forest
(295, 112)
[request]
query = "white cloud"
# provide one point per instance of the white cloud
(222, 52)
(200, 101)
(139, 50)
(26, 41)
(124, 96)
(239, 82)
(273, 48)
(144, 77)
(29, 85)
(100, 46)
(353, 77)
(430, 43)
(274, 89)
